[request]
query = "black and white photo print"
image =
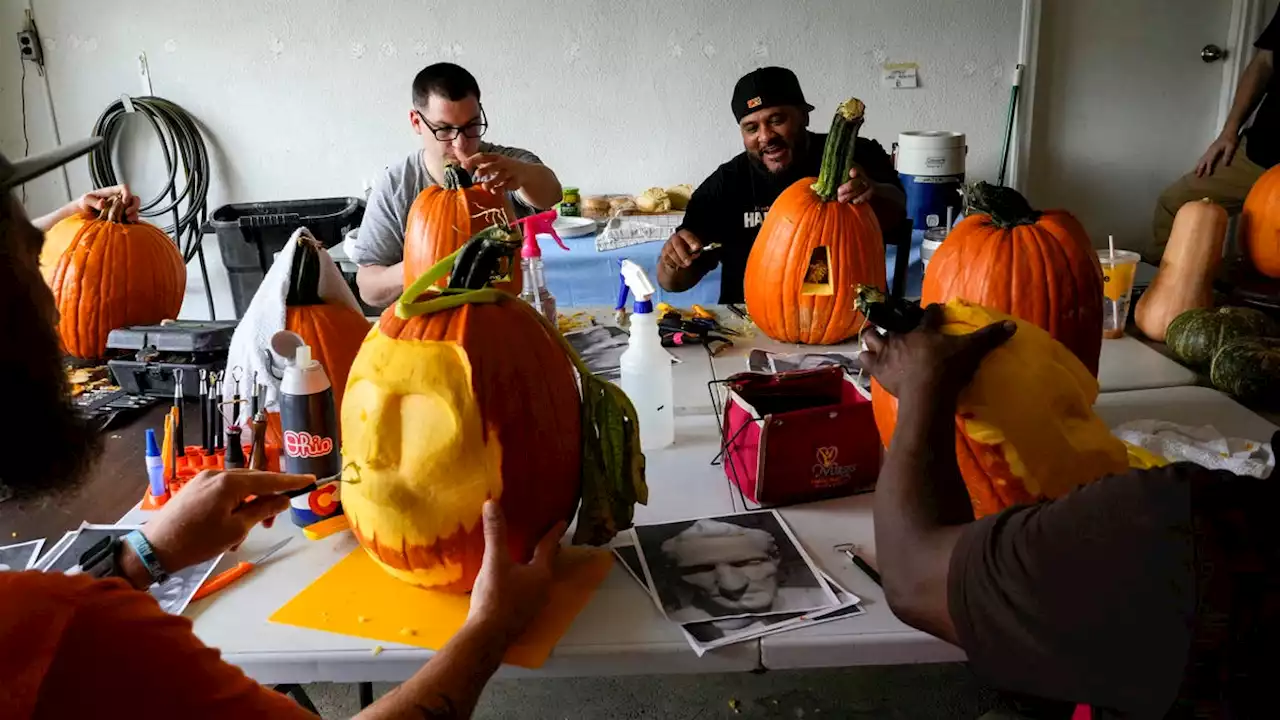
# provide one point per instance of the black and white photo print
(731, 566)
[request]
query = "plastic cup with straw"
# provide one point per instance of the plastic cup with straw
(1118, 268)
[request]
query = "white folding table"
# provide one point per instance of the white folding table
(620, 631)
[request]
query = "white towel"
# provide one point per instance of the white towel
(1203, 445)
(251, 344)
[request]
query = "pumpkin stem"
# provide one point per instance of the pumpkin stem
(112, 209)
(304, 274)
(456, 177)
(837, 154)
(1006, 206)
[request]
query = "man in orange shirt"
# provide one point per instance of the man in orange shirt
(76, 646)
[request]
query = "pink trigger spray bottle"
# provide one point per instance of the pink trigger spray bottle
(534, 289)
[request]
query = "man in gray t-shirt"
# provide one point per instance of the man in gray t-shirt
(447, 115)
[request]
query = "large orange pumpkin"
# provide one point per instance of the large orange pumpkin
(440, 415)
(1025, 426)
(333, 330)
(111, 275)
(1037, 266)
(812, 250)
(1260, 224)
(446, 216)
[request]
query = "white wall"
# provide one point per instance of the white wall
(308, 98)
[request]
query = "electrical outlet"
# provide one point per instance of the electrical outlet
(29, 47)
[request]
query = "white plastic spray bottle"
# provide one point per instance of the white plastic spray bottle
(646, 365)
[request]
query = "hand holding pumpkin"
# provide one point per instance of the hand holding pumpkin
(91, 203)
(858, 189)
(507, 595)
(496, 173)
(926, 365)
(210, 515)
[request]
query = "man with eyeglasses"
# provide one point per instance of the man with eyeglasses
(449, 118)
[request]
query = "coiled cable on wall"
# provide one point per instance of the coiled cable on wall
(184, 150)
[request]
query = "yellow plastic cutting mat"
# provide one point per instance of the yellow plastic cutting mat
(356, 597)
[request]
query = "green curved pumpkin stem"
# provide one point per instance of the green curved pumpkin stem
(304, 274)
(612, 475)
(456, 177)
(1006, 206)
(837, 154)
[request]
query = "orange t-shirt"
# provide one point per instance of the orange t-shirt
(78, 647)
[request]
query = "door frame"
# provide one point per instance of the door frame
(1028, 53)
(1248, 18)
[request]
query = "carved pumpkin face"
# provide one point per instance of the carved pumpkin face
(443, 412)
(1009, 449)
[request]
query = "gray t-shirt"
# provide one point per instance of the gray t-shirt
(381, 237)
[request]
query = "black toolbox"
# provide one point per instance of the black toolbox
(250, 234)
(148, 356)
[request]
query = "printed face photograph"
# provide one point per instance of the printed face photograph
(729, 567)
(20, 556)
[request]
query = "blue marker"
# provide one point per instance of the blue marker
(155, 467)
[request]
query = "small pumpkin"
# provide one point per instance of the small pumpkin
(1195, 336)
(1025, 426)
(440, 415)
(113, 274)
(444, 217)
(1185, 278)
(333, 330)
(1249, 369)
(1037, 266)
(813, 250)
(1260, 224)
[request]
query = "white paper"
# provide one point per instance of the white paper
(899, 76)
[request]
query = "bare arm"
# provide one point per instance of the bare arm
(541, 187)
(506, 598)
(920, 501)
(535, 183)
(380, 285)
(88, 203)
(449, 685)
(919, 506)
(1252, 88)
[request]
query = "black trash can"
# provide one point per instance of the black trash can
(250, 234)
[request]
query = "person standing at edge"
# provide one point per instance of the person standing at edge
(448, 116)
(729, 206)
(1238, 157)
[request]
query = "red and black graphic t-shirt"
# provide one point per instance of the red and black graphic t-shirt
(730, 205)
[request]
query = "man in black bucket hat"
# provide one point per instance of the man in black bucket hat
(728, 207)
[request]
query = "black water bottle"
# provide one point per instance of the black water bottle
(311, 447)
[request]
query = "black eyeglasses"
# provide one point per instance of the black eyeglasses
(449, 133)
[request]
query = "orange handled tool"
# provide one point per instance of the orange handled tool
(226, 577)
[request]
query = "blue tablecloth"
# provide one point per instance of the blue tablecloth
(583, 276)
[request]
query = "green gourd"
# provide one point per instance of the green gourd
(1195, 336)
(1249, 369)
